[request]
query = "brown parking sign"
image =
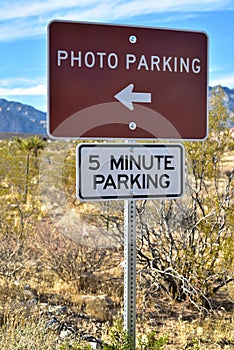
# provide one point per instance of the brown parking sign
(122, 82)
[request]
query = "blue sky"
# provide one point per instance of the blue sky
(23, 42)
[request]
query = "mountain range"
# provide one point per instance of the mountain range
(19, 118)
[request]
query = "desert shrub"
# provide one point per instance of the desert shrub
(85, 267)
(152, 342)
(17, 255)
(185, 245)
(119, 339)
(20, 205)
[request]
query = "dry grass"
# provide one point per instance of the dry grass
(23, 327)
(214, 332)
(187, 327)
(23, 331)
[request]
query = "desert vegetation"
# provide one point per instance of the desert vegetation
(61, 260)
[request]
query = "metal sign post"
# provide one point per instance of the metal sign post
(130, 269)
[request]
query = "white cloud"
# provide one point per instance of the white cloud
(33, 90)
(138, 7)
(26, 19)
(20, 86)
(117, 10)
(25, 9)
(226, 80)
(23, 19)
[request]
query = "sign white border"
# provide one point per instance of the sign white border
(86, 170)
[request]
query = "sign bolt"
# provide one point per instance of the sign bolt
(133, 39)
(132, 125)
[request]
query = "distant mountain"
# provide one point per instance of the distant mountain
(18, 118)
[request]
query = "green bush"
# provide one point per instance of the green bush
(75, 346)
(150, 342)
(119, 338)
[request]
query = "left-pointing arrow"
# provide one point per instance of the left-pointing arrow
(127, 97)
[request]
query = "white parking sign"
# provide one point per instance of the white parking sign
(129, 171)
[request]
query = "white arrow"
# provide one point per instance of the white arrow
(127, 97)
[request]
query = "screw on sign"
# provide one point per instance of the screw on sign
(103, 78)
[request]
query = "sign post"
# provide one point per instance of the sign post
(130, 269)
